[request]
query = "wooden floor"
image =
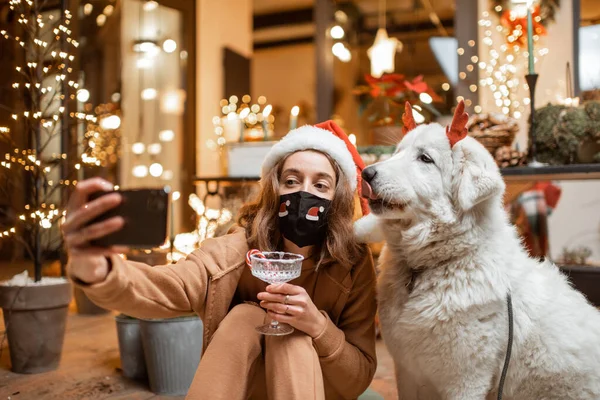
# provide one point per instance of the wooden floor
(90, 363)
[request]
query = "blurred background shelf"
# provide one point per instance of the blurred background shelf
(552, 172)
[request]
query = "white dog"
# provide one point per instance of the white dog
(450, 260)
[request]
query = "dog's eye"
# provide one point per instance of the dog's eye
(425, 158)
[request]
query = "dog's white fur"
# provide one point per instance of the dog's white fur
(448, 335)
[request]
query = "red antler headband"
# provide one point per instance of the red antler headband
(408, 119)
(457, 130)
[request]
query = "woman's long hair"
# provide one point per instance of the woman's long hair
(261, 220)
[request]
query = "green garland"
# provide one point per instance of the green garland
(561, 130)
(548, 9)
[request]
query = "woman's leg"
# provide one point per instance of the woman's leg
(292, 368)
(228, 366)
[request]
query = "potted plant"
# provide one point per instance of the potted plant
(36, 173)
(584, 276)
(382, 105)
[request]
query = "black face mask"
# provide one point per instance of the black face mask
(303, 218)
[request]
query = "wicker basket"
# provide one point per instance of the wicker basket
(493, 130)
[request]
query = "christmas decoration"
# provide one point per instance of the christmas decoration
(546, 9)
(502, 70)
(46, 162)
(493, 130)
(564, 134)
(515, 24)
(244, 121)
(102, 139)
(506, 156)
(577, 256)
(383, 99)
(382, 53)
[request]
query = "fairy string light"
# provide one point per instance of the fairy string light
(502, 71)
(43, 83)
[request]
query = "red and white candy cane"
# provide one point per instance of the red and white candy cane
(256, 252)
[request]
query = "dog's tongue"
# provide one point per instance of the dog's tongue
(366, 191)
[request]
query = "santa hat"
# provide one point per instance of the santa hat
(328, 138)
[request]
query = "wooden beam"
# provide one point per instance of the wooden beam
(283, 43)
(407, 28)
(291, 17)
(323, 16)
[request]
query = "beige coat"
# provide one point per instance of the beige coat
(206, 281)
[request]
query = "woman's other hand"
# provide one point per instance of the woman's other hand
(291, 304)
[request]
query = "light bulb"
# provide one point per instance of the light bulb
(267, 110)
(146, 46)
(149, 94)
(425, 98)
(110, 123)
(150, 5)
(138, 148)
(140, 171)
(156, 169)
(419, 118)
(172, 102)
(166, 136)
(244, 113)
(338, 49)
(295, 111)
(83, 95)
(169, 46)
(352, 138)
(176, 195)
(337, 32)
(101, 20)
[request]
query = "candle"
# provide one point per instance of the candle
(174, 198)
(265, 125)
(231, 127)
(243, 114)
(242, 129)
(530, 37)
(294, 117)
(265, 131)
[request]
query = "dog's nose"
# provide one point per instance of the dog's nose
(368, 174)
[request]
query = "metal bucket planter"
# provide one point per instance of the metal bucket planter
(131, 351)
(172, 348)
(84, 305)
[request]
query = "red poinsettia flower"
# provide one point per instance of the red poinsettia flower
(394, 86)
(418, 85)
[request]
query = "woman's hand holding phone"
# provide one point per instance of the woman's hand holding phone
(86, 262)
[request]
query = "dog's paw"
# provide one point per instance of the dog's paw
(367, 230)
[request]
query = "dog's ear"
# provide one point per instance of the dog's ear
(476, 177)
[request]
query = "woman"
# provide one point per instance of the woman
(331, 305)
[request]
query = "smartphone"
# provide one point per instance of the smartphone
(145, 212)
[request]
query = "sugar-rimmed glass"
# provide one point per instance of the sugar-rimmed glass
(276, 267)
